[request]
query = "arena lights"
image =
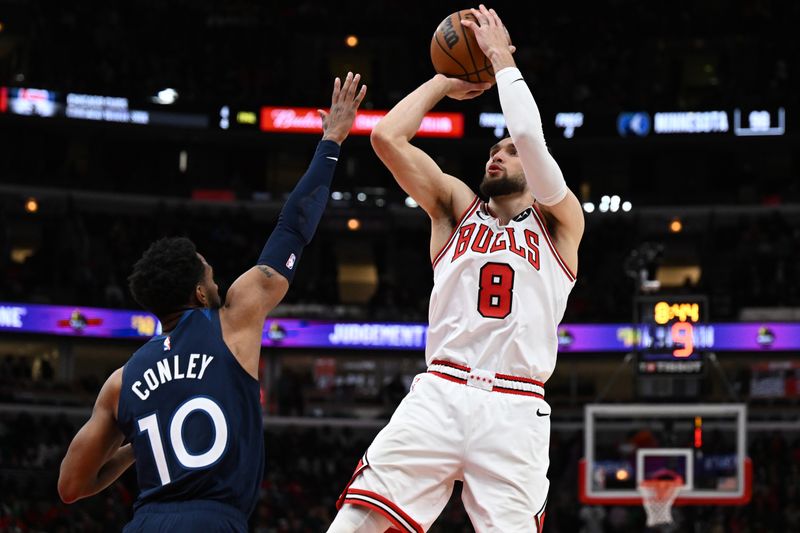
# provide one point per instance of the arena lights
(675, 225)
(569, 121)
(760, 123)
(307, 120)
(740, 121)
(225, 117)
(640, 123)
(86, 322)
(351, 41)
(369, 197)
(247, 117)
(100, 108)
(32, 102)
(691, 122)
(103, 108)
(353, 224)
(166, 96)
(235, 118)
(635, 124)
(495, 121)
(410, 202)
(608, 204)
(31, 205)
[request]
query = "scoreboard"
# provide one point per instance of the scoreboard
(674, 334)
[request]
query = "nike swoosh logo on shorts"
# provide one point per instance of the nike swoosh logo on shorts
(332, 158)
(541, 414)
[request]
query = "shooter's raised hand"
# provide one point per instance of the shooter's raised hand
(492, 37)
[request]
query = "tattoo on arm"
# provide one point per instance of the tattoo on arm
(266, 270)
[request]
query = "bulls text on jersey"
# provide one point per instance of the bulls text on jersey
(481, 239)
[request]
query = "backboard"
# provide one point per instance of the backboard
(704, 444)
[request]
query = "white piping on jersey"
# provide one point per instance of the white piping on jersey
(468, 213)
(561, 262)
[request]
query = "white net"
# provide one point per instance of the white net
(658, 496)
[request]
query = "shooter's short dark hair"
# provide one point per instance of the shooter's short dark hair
(165, 276)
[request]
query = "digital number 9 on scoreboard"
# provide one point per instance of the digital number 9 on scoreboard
(680, 315)
(682, 335)
(672, 323)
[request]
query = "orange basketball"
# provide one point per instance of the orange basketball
(455, 52)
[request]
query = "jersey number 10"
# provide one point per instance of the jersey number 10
(149, 425)
(496, 288)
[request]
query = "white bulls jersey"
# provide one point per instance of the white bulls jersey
(499, 293)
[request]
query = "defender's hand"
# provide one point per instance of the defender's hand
(492, 37)
(460, 89)
(337, 122)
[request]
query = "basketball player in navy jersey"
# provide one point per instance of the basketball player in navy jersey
(185, 408)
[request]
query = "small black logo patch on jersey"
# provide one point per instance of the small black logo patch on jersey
(522, 216)
(538, 413)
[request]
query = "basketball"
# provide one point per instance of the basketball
(455, 51)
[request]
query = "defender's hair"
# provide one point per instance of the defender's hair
(165, 276)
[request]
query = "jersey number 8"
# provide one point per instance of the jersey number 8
(149, 424)
(496, 288)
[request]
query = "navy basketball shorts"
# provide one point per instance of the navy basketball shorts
(190, 516)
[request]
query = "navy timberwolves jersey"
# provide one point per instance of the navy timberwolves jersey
(194, 418)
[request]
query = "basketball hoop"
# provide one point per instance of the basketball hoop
(658, 496)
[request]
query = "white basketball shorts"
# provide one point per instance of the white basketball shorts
(496, 443)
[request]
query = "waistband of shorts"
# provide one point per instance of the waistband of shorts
(486, 379)
(193, 505)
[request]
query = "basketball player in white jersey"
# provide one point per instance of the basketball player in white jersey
(502, 273)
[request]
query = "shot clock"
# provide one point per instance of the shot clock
(674, 333)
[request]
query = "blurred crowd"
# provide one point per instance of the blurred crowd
(308, 467)
(654, 54)
(84, 258)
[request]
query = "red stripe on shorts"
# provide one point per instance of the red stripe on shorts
(380, 504)
(520, 379)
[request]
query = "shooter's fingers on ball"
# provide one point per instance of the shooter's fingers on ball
(482, 22)
(496, 17)
(469, 24)
(486, 17)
